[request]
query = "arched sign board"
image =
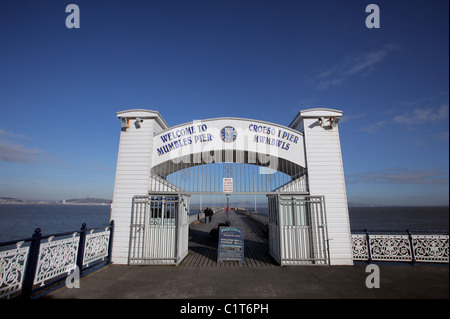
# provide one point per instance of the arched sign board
(201, 142)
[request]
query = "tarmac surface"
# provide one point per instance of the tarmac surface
(293, 282)
(201, 277)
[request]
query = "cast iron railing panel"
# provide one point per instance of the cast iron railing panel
(42, 261)
(409, 247)
(56, 258)
(12, 269)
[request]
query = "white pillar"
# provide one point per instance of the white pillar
(132, 172)
(326, 176)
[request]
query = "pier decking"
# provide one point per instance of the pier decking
(203, 246)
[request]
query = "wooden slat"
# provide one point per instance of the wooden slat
(203, 248)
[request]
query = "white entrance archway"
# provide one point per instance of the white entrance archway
(302, 159)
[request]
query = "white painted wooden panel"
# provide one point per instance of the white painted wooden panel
(159, 244)
(297, 244)
(274, 242)
(326, 177)
(132, 178)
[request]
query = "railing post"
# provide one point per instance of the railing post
(110, 244)
(30, 270)
(369, 254)
(413, 257)
(81, 247)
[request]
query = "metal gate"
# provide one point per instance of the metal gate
(298, 230)
(159, 229)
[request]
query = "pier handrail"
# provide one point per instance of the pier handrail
(40, 262)
(195, 217)
(430, 246)
(414, 246)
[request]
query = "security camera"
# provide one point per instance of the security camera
(138, 122)
(321, 121)
(334, 121)
(123, 123)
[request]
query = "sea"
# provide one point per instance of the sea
(18, 221)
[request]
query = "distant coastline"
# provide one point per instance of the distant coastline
(101, 201)
(75, 201)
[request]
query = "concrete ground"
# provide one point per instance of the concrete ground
(170, 282)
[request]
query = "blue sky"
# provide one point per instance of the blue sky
(60, 88)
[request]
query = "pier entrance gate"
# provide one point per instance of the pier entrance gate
(159, 229)
(298, 168)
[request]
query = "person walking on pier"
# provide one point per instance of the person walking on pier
(208, 215)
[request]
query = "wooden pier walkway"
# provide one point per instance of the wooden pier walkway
(203, 246)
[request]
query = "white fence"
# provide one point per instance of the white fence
(159, 230)
(37, 262)
(260, 218)
(407, 247)
(195, 217)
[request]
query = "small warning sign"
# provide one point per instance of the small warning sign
(228, 185)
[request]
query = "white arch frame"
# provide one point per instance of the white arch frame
(317, 149)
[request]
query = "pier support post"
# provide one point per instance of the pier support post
(132, 172)
(326, 176)
(81, 246)
(32, 261)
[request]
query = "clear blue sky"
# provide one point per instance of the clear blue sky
(60, 88)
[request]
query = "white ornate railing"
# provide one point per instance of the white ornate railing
(199, 216)
(56, 258)
(38, 261)
(409, 247)
(12, 269)
(260, 218)
(430, 248)
(195, 217)
(96, 246)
